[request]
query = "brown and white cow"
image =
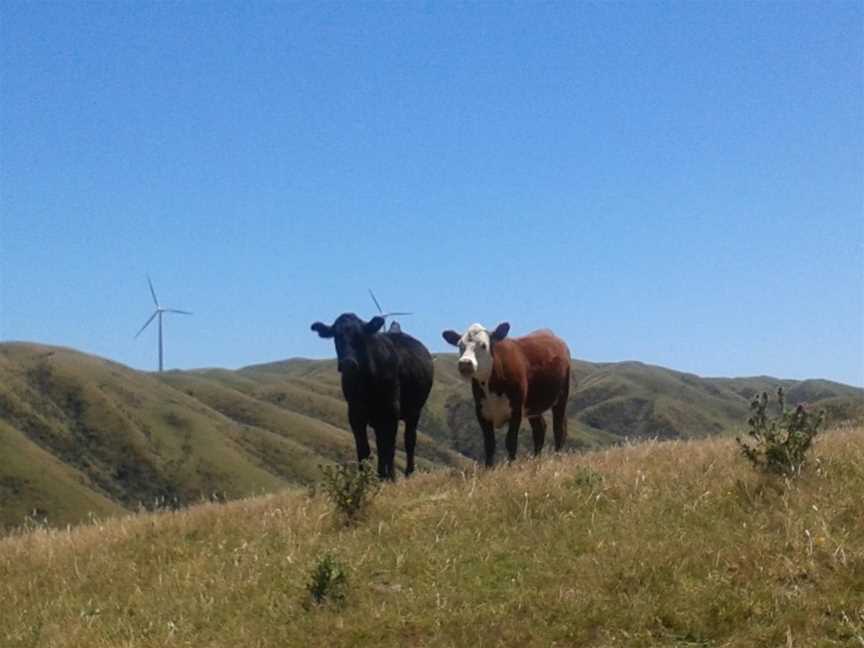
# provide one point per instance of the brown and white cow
(512, 378)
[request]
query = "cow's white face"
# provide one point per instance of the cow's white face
(475, 350)
(475, 358)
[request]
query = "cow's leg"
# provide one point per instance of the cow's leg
(538, 428)
(358, 419)
(391, 428)
(381, 447)
(410, 441)
(488, 432)
(559, 415)
(385, 437)
(390, 431)
(513, 431)
(488, 441)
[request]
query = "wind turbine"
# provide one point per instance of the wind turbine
(158, 313)
(394, 326)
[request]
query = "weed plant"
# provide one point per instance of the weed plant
(779, 444)
(351, 487)
(327, 582)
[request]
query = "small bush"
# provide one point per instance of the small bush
(350, 487)
(584, 477)
(327, 582)
(779, 444)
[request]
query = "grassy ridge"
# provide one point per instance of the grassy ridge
(83, 435)
(659, 544)
(55, 486)
(611, 403)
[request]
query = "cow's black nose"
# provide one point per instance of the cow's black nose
(348, 365)
(466, 368)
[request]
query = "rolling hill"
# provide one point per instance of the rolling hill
(81, 435)
(656, 544)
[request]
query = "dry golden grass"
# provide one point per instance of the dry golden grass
(658, 544)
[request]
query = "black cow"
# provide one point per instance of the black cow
(385, 377)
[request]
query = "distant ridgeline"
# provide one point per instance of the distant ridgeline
(81, 436)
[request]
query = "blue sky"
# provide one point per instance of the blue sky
(676, 183)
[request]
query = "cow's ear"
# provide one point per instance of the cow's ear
(323, 330)
(500, 331)
(373, 325)
(451, 337)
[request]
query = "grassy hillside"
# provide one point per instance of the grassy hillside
(609, 402)
(614, 402)
(84, 435)
(675, 543)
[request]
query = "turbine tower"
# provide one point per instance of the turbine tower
(394, 326)
(158, 313)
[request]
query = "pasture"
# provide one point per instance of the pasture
(70, 422)
(675, 543)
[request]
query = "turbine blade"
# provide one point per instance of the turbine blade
(394, 313)
(174, 310)
(380, 310)
(152, 292)
(147, 323)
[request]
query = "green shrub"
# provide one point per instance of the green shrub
(327, 582)
(584, 477)
(779, 444)
(350, 487)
